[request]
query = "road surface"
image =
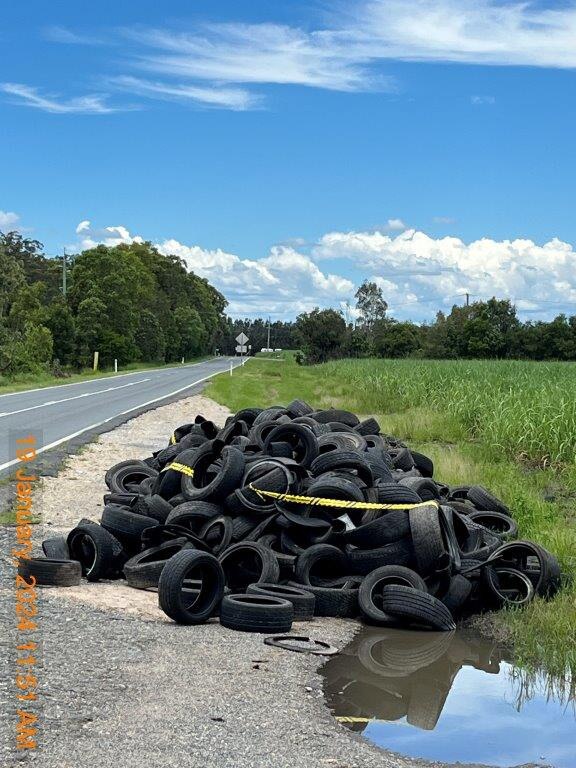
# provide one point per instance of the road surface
(62, 413)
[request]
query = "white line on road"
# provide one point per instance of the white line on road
(105, 378)
(76, 397)
(110, 418)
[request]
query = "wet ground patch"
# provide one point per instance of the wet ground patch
(451, 697)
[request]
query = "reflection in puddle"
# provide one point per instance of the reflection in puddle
(453, 697)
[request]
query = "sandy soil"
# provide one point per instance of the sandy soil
(79, 488)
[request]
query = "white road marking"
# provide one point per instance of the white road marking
(110, 418)
(76, 397)
(106, 378)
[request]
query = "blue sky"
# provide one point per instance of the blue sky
(287, 151)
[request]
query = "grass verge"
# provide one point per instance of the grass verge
(465, 449)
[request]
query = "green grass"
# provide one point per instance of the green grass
(40, 380)
(510, 426)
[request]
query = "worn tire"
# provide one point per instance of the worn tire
(93, 547)
(387, 529)
(143, 570)
(49, 572)
(340, 603)
(183, 605)
(56, 548)
(302, 600)
(321, 565)
(427, 538)
(363, 561)
(256, 613)
(413, 606)
(369, 595)
(248, 563)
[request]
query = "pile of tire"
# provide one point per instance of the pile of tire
(287, 513)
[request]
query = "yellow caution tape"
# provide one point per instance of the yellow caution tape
(173, 438)
(316, 501)
(177, 467)
(354, 719)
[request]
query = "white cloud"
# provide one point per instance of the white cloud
(84, 226)
(206, 63)
(478, 100)
(395, 224)
(8, 220)
(466, 31)
(93, 104)
(283, 283)
(418, 274)
(439, 271)
(233, 98)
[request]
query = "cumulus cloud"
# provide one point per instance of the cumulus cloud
(439, 271)
(8, 220)
(283, 283)
(395, 224)
(418, 274)
(479, 100)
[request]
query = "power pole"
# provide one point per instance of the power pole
(467, 299)
(268, 342)
(64, 273)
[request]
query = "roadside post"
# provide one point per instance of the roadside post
(95, 364)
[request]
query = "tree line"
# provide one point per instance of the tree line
(133, 304)
(484, 329)
(129, 303)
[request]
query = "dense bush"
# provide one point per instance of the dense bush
(129, 303)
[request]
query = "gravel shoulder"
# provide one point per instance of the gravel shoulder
(122, 685)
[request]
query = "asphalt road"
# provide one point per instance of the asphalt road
(58, 414)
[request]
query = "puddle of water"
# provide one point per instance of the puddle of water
(450, 697)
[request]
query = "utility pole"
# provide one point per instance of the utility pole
(64, 273)
(467, 299)
(268, 343)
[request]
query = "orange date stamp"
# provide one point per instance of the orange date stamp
(26, 607)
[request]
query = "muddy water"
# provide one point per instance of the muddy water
(452, 697)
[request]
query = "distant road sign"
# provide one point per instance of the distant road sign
(241, 349)
(242, 339)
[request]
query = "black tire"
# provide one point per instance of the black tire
(368, 427)
(243, 526)
(534, 561)
(459, 590)
(413, 606)
(299, 408)
(321, 565)
(330, 486)
(426, 488)
(116, 467)
(143, 570)
(302, 600)
(485, 501)
(392, 493)
(423, 464)
(403, 460)
(370, 592)
(93, 547)
(194, 515)
(340, 603)
(187, 605)
(342, 460)
(506, 587)
(427, 538)
(217, 533)
(248, 563)
(496, 522)
(303, 440)
(154, 506)
(363, 561)
(56, 548)
(256, 613)
(391, 527)
(333, 414)
(125, 525)
(127, 478)
(202, 486)
(50, 572)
